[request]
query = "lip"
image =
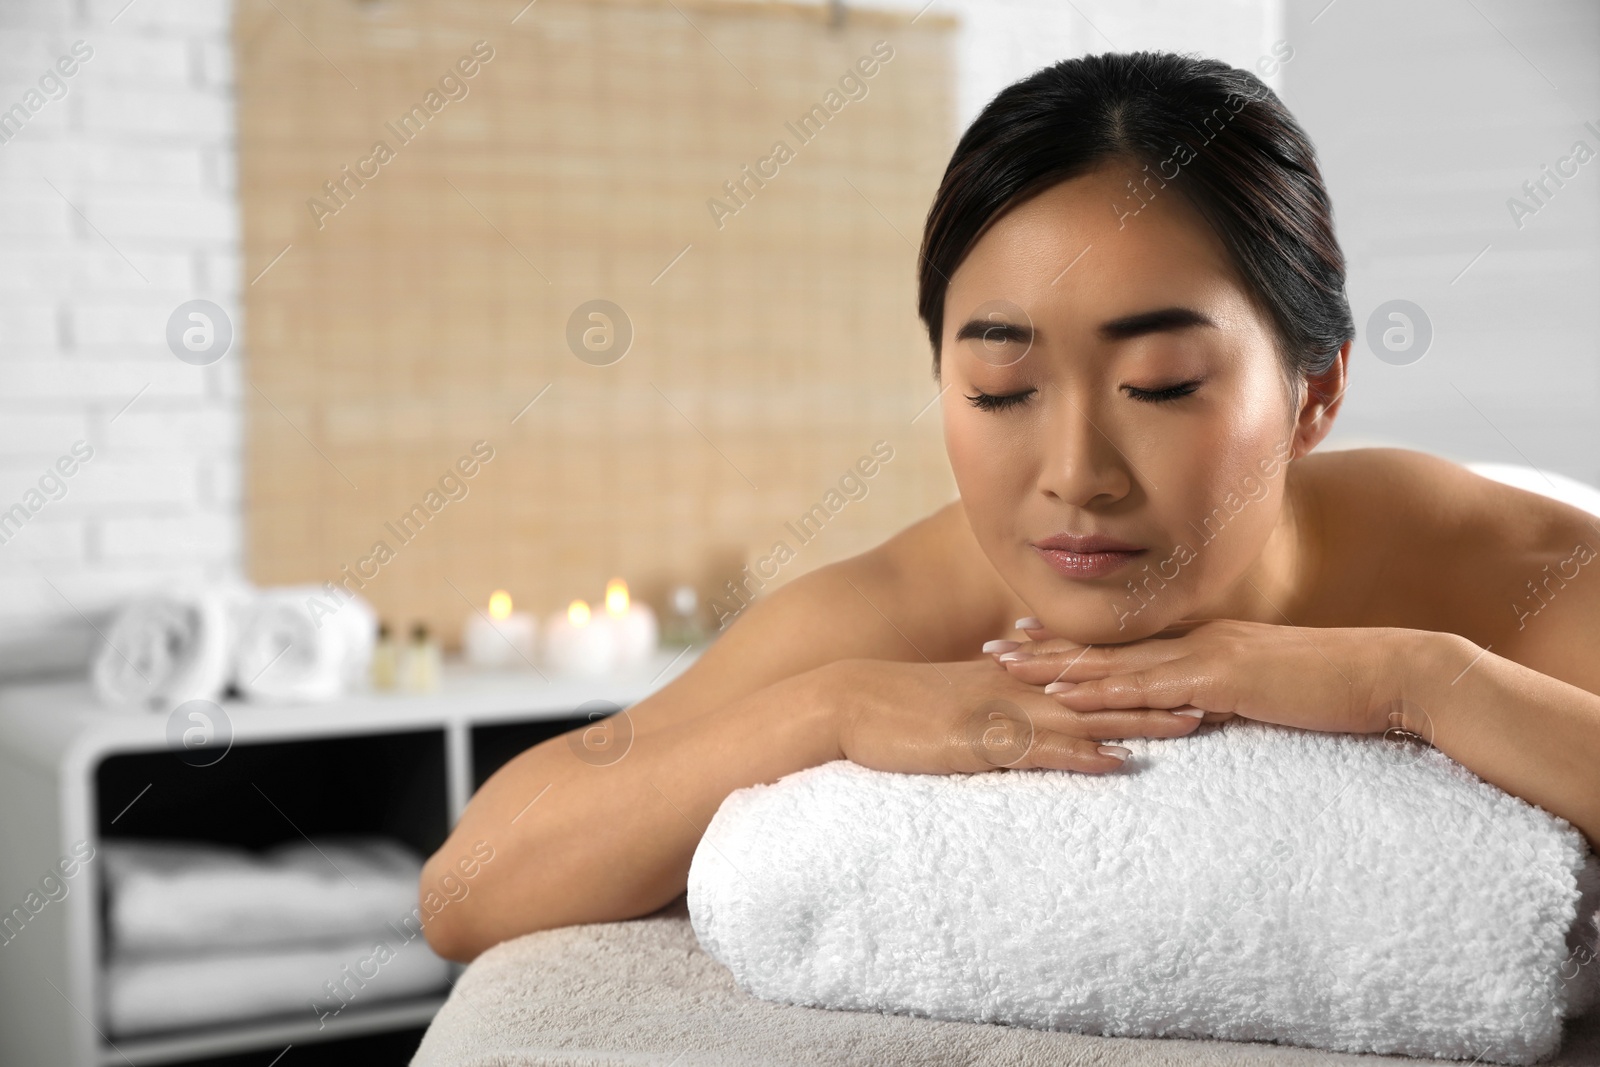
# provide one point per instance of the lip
(1086, 556)
(1084, 544)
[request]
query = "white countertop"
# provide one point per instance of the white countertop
(42, 720)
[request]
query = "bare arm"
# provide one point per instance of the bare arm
(851, 661)
(1523, 710)
(1531, 734)
(575, 841)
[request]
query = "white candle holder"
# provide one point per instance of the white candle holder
(505, 638)
(577, 643)
(633, 625)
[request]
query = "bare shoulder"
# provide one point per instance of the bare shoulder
(1396, 488)
(1507, 568)
(936, 586)
(926, 593)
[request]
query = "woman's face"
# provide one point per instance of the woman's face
(1141, 400)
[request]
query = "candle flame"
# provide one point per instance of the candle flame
(616, 597)
(578, 613)
(499, 605)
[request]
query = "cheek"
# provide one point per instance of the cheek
(1230, 509)
(1206, 489)
(963, 444)
(963, 438)
(990, 463)
(1211, 457)
(993, 469)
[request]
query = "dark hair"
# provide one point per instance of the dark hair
(1240, 158)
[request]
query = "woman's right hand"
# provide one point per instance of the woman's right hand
(970, 716)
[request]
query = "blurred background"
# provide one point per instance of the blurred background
(762, 331)
(549, 334)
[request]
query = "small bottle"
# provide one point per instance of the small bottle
(683, 623)
(420, 662)
(385, 659)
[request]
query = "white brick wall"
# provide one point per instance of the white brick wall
(142, 217)
(143, 146)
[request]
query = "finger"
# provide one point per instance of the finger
(1008, 744)
(1045, 641)
(1056, 667)
(1035, 630)
(1001, 732)
(1031, 627)
(1086, 662)
(1154, 688)
(1055, 751)
(1110, 725)
(1185, 713)
(1045, 712)
(998, 648)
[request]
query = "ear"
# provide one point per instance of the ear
(1323, 394)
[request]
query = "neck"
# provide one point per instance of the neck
(1279, 587)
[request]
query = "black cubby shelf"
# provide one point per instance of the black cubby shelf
(74, 773)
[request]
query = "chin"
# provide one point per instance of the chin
(1109, 619)
(1108, 634)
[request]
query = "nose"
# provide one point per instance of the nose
(1081, 464)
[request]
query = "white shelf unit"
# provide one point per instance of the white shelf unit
(72, 770)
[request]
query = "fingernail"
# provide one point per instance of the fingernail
(1059, 687)
(1116, 751)
(1000, 646)
(1193, 713)
(1029, 623)
(1015, 657)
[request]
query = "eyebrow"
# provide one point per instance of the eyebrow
(993, 329)
(1161, 320)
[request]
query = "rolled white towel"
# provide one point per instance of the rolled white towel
(178, 896)
(168, 647)
(298, 643)
(147, 994)
(1249, 882)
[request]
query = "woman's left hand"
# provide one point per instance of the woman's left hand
(1339, 680)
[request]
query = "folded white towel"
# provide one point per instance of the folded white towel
(148, 994)
(297, 643)
(169, 647)
(1247, 882)
(169, 897)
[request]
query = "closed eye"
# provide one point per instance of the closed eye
(1160, 396)
(992, 402)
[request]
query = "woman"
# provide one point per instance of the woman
(1136, 304)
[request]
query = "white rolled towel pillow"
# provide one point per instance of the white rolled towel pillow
(170, 646)
(298, 644)
(1249, 882)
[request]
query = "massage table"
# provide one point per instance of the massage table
(642, 991)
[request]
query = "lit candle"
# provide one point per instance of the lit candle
(576, 643)
(504, 639)
(633, 624)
